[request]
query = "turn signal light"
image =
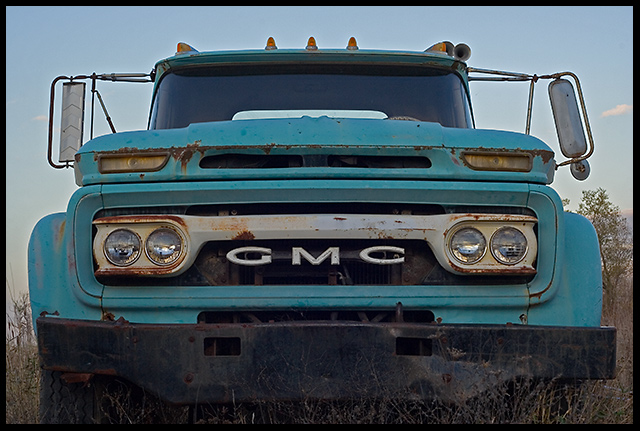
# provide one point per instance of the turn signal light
(120, 163)
(497, 161)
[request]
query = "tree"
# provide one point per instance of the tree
(614, 237)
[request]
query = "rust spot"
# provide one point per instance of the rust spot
(184, 155)
(339, 218)
(60, 232)
(121, 321)
(544, 154)
(46, 313)
(107, 272)
(269, 147)
(539, 294)
(244, 235)
(77, 377)
(107, 372)
(514, 270)
(147, 218)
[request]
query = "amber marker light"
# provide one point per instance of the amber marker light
(119, 163)
(498, 161)
(271, 44)
(311, 44)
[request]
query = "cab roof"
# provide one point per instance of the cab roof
(441, 55)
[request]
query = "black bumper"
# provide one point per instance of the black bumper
(206, 363)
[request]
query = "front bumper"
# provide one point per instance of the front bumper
(208, 363)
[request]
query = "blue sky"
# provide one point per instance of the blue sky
(596, 43)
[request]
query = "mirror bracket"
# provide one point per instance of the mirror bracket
(514, 76)
(73, 119)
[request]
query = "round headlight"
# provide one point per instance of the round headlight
(122, 247)
(163, 246)
(468, 245)
(508, 245)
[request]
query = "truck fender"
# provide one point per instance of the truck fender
(53, 286)
(578, 298)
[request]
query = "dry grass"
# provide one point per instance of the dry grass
(594, 402)
(22, 370)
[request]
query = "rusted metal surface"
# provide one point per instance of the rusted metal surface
(221, 362)
(336, 147)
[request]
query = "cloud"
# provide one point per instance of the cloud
(618, 110)
(41, 118)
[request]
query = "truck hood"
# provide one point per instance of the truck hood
(310, 147)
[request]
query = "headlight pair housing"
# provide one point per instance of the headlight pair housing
(142, 248)
(508, 245)
(122, 247)
(491, 247)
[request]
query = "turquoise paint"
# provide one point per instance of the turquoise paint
(303, 136)
(565, 291)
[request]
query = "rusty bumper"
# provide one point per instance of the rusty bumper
(206, 363)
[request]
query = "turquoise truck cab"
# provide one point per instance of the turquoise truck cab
(314, 223)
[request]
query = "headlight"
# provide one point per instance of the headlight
(163, 246)
(508, 245)
(468, 245)
(122, 247)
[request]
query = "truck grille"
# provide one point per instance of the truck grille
(419, 266)
(350, 271)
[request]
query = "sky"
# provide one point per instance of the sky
(42, 43)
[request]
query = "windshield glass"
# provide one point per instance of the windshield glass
(204, 94)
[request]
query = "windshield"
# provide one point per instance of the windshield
(204, 94)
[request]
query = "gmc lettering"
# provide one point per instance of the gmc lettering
(256, 256)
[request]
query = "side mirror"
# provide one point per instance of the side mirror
(73, 93)
(567, 118)
(72, 122)
(580, 170)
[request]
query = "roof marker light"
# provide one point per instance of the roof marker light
(352, 45)
(271, 44)
(183, 48)
(311, 44)
(444, 47)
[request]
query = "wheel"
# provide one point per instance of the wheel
(64, 402)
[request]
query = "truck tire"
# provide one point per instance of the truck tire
(62, 402)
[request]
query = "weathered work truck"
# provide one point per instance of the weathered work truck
(314, 224)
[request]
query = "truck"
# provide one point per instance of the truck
(314, 223)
